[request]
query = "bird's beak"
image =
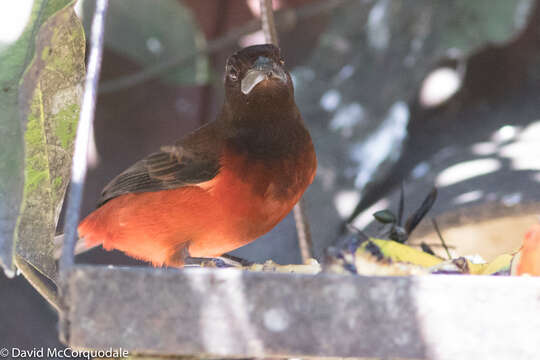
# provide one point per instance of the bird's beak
(264, 68)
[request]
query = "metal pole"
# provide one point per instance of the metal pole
(86, 119)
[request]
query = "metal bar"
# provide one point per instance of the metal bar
(268, 23)
(302, 231)
(232, 313)
(86, 119)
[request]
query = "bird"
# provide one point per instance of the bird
(221, 186)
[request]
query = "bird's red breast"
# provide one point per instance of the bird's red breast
(222, 186)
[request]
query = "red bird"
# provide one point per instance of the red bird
(223, 185)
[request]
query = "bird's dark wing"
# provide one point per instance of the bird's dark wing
(191, 161)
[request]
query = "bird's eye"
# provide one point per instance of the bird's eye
(233, 74)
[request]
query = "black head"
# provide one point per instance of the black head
(255, 75)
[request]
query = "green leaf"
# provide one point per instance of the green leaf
(475, 23)
(43, 71)
(385, 217)
(150, 32)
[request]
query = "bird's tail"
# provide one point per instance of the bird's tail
(80, 246)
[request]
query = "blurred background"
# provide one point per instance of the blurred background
(421, 92)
